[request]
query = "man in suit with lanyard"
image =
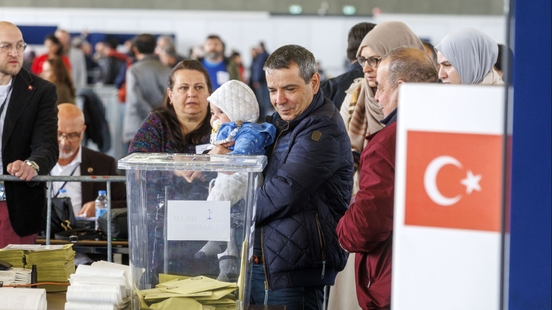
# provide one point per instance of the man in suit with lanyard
(28, 126)
(77, 160)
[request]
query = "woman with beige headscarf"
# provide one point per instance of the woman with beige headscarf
(362, 114)
(360, 111)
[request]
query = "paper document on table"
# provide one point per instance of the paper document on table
(103, 285)
(34, 247)
(109, 265)
(15, 276)
(103, 294)
(23, 298)
(88, 306)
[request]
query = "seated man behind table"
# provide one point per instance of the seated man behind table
(77, 160)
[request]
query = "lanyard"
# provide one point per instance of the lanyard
(63, 185)
(7, 97)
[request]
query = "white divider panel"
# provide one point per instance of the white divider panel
(448, 197)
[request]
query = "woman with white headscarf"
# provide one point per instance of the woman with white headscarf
(467, 56)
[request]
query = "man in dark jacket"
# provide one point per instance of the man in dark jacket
(111, 62)
(367, 227)
(306, 190)
(28, 125)
(334, 88)
(258, 81)
(146, 85)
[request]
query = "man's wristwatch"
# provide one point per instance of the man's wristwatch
(33, 165)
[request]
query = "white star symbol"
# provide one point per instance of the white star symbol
(471, 182)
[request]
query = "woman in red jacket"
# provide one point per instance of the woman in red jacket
(53, 49)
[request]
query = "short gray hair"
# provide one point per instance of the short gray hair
(285, 56)
(411, 65)
(168, 47)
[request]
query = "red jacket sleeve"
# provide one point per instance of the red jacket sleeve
(36, 66)
(369, 219)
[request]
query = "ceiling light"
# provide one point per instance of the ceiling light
(295, 9)
(349, 10)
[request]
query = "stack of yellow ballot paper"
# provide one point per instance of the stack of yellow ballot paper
(196, 293)
(14, 257)
(53, 263)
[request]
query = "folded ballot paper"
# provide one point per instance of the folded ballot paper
(23, 299)
(102, 285)
(15, 257)
(195, 293)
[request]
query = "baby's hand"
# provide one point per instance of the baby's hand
(221, 148)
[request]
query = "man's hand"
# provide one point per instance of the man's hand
(88, 209)
(190, 176)
(21, 170)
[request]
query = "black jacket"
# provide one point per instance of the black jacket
(334, 89)
(96, 163)
(97, 128)
(30, 132)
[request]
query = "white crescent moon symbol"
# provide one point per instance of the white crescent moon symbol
(430, 176)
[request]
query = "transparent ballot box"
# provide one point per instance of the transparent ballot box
(191, 228)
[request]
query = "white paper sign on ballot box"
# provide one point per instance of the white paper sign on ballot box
(198, 220)
(447, 243)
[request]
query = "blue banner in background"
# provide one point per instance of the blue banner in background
(35, 35)
(530, 244)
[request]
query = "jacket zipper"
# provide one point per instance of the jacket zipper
(368, 271)
(264, 268)
(278, 138)
(267, 287)
(322, 245)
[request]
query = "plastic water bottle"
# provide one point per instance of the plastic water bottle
(101, 206)
(62, 193)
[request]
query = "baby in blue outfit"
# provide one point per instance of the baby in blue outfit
(234, 111)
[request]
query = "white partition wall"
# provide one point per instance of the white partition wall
(448, 198)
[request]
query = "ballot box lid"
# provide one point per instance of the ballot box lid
(177, 161)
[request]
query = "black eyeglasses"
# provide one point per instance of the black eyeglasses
(373, 61)
(7, 47)
(69, 136)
